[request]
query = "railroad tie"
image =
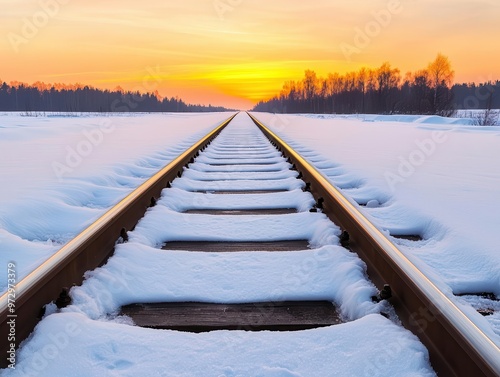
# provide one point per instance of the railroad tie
(244, 166)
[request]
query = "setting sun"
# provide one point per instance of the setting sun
(235, 53)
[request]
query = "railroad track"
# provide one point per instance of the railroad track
(242, 194)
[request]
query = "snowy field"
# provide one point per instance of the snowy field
(434, 177)
(59, 173)
(424, 176)
(87, 338)
(462, 117)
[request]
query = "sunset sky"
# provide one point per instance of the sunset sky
(236, 52)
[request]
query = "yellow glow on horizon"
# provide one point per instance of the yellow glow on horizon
(244, 53)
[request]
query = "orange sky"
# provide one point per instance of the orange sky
(235, 52)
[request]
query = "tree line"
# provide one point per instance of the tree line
(383, 90)
(83, 98)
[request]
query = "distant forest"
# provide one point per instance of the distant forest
(82, 98)
(384, 91)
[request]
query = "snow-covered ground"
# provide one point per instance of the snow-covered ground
(462, 117)
(431, 176)
(89, 339)
(59, 173)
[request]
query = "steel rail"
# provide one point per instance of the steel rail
(86, 251)
(457, 347)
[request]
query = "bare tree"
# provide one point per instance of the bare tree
(387, 79)
(362, 83)
(380, 90)
(488, 117)
(310, 83)
(441, 79)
